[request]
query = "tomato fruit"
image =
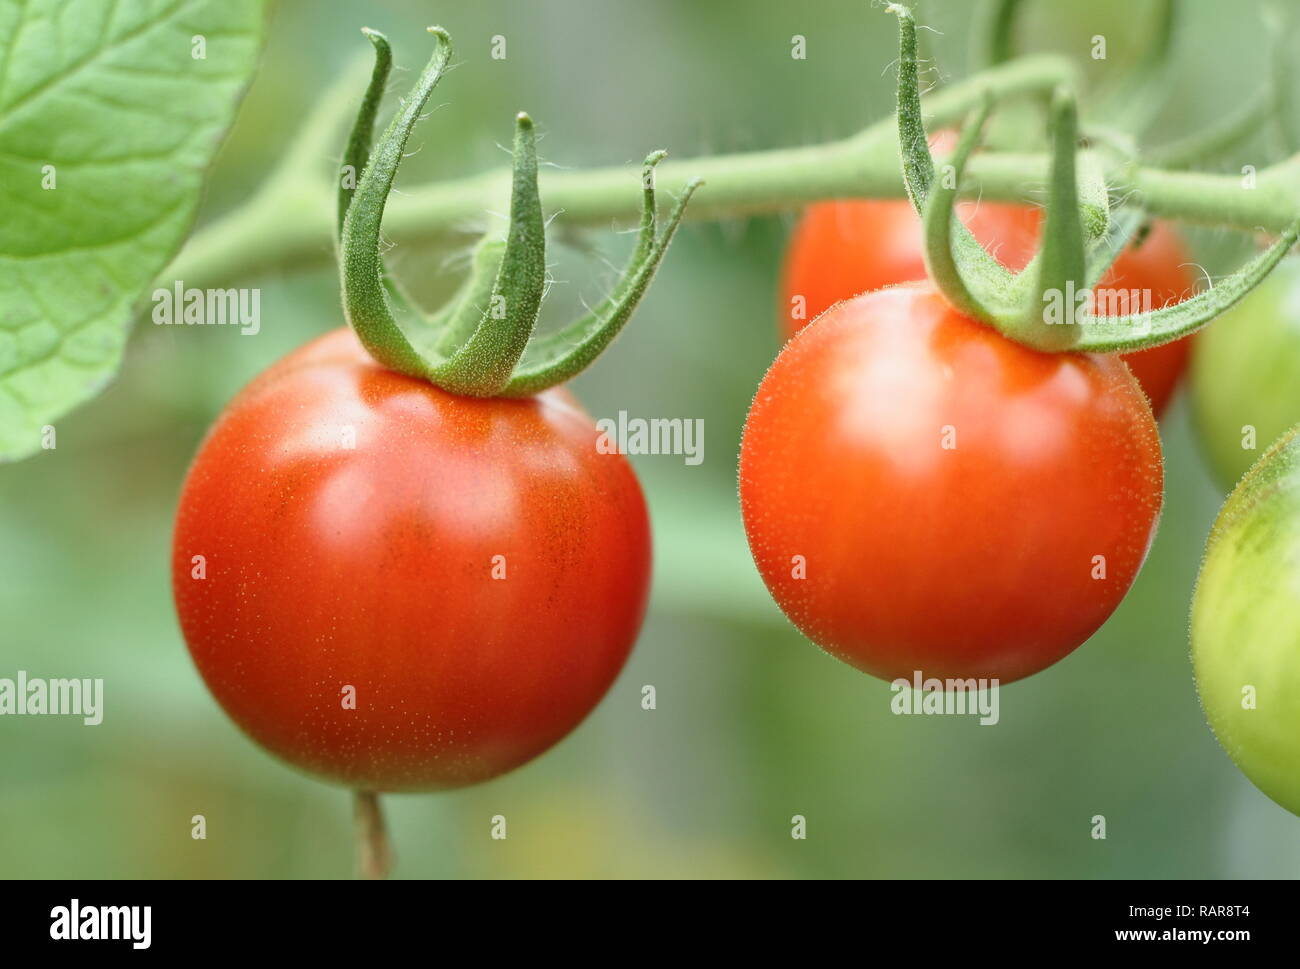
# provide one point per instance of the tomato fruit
(1246, 624)
(845, 247)
(1245, 374)
(958, 504)
(842, 248)
(1160, 266)
(474, 569)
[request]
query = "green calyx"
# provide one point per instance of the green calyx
(1049, 305)
(480, 343)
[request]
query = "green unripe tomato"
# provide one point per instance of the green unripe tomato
(1246, 374)
(1246, 624)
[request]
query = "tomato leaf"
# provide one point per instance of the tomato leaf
(110, 113)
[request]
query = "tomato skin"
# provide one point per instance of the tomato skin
(1246, 624)
(845, 247)
(372, 567)
(1161, 265)
(1245, 373)
(849, 246)
(968, 561)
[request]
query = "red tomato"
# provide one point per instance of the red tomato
(960, 505)
(843, 248)
(1162, 266)
(379, 567)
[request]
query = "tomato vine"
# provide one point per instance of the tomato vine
(257, 236)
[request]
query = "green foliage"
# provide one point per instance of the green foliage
(110, 114)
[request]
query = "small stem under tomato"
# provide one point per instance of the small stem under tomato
(374, 853)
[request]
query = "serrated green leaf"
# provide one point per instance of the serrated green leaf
(108, 121)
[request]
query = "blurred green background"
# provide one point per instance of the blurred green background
(753, 724)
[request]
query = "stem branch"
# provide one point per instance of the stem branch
(374, 854)
(293, 228)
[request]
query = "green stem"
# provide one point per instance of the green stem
(294, 230)
(374, 853)
(992, 40)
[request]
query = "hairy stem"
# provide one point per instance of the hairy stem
(293, 229)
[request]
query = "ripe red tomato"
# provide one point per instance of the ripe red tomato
(475, 569)
(959, 504)
(1162, 265)
(843, 248)
(850, 246)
